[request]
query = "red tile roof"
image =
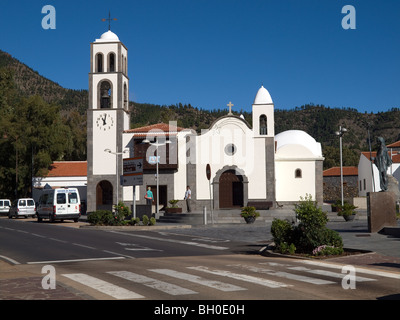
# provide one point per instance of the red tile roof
(335, 171)
(156, 129)
(395, 156)
(68, 169)
(394, 145)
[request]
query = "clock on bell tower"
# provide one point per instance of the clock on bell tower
(107, 118)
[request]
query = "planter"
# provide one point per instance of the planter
(173, 210)
(349, 217)
(250, 220)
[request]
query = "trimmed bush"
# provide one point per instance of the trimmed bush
(311, 232)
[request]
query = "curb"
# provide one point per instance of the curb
(136, 228)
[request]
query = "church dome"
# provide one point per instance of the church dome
(263, 97)
(292, 139)
(108, 36)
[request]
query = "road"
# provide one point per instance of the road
(166, 265)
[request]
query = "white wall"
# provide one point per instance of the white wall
(290, 188)
(249, 156)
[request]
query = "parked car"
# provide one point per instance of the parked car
(59, 204)
(22, 208)
(5, 205)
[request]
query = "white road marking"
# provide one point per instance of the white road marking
(284, 275)
(83, 246)
(75, 260)
(153, 283)
(9, 259)
(190, 243)
(242, 277)
(329, 273)
(374, 272)
(226, 287)
(103, 286)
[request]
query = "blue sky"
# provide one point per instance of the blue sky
(210, 52)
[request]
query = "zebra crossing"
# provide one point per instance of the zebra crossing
(180, 282)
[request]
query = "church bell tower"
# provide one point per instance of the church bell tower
(264, 130)
(107, 118)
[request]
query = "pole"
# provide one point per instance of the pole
(134, 202)
(211, 205)
(341, 167)
(157, 177)
(117, 178)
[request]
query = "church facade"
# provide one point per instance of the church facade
(246, 164)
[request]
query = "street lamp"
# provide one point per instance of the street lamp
(157, 144)
(118, 177)
(340, 133)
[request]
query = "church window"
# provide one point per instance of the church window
(125, 97)
(230, 149)
(298, 174)
(126, 66)
(111, 61)
(263, 125)
(105, 95)
(99, 62)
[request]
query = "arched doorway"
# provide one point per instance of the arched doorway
(104, 195)
(231, 190)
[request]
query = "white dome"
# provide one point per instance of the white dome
(108, 36)
(293, 138)
(263, 97)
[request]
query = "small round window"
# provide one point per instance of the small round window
(230, 149)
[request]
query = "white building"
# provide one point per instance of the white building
(249, 164)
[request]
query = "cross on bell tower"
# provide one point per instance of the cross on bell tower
(109, 20)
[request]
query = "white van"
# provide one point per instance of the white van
(5, 205)
(22, 208)
(59, 204)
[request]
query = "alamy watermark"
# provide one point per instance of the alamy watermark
(49, 280)
(349, 280)
(49, 20)
(349, 20)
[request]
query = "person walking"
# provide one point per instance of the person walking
(188, 198)
(149, 197)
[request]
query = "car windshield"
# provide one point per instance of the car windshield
(31, 203)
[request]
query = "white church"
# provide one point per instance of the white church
(249, 164)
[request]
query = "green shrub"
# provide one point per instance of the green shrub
(281, 230)
(121, 211)
(309, 234)
(145, 220)
(309, 214)
(134, 221)
(102, 217)
(173, 203)
(152, 221)
(249, 212)
(284, 247)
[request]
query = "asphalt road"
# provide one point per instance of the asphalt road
(167, 265)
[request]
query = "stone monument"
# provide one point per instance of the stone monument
(382, 205)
